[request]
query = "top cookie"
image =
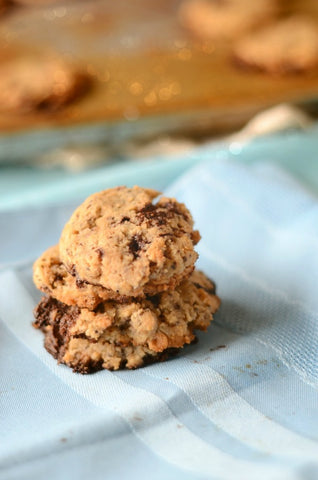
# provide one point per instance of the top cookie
(120, 240)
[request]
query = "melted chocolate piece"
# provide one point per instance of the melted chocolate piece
(155, 300)
(55, 319)
(210, 291)
(136, 244)
(125, 219)
(90, 367)
(73, 271)
(100, 253)
(79, 282)
(159, 214)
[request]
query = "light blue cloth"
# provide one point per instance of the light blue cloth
(240, 404)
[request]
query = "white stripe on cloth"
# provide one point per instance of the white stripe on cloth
(230, 412)
(148, 416)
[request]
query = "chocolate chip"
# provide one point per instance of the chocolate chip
(159, 214)
(135, 245)
(85, 337)
(210, 291)
(148, 209)
(58, 279)
(155, 300)
(80, 283)
(73, 271)
(91, 366)
(100, 253)
(55, 319)
(100, 308)
(153, 214)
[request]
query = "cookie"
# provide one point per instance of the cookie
(289, 46)
(39, 84)
(127, 335)
(225, 19)
(123, 241)
(52, 278)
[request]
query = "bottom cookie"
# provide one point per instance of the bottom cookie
(127, 335)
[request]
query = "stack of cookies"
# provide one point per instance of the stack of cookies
(121, 288)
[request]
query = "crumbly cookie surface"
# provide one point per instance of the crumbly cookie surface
(39, 84)
(225, 19)
(117, 335)
(289, 46)
(52, 278)
(121, 240)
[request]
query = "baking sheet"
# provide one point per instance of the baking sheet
(150, 75)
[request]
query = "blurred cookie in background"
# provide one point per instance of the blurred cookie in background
(288, 46)
(225, 19)
(39, 84)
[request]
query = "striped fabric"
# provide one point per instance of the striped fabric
(240, 404)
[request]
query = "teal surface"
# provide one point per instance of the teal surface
(295, 151)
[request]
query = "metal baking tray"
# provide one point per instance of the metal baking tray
(150, 76)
